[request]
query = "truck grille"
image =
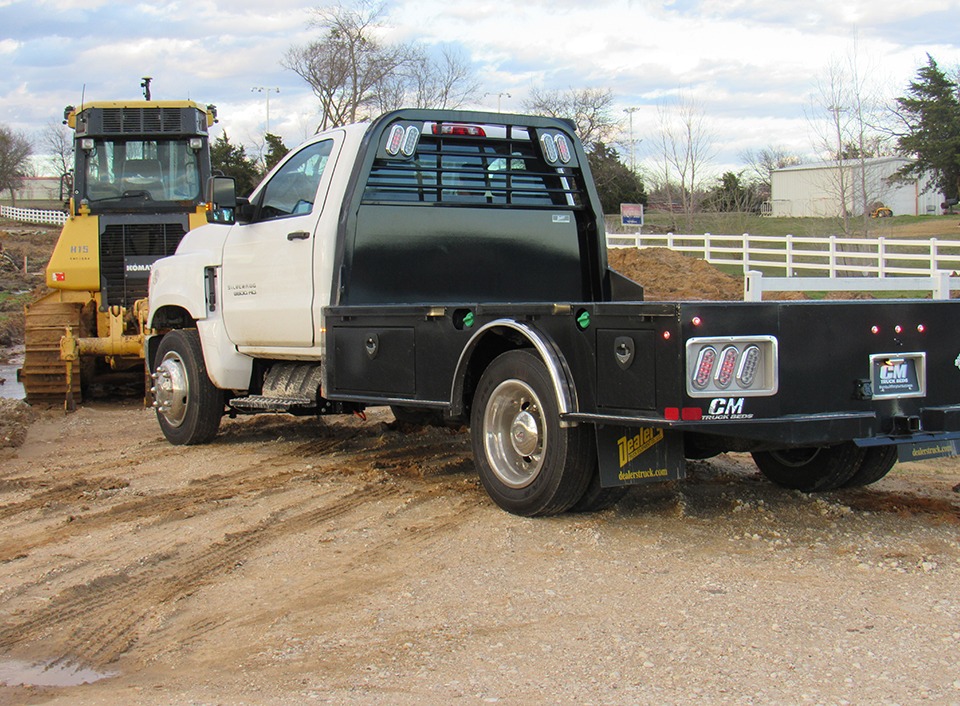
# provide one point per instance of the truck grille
(126, 252)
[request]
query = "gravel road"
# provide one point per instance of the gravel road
(347, 561)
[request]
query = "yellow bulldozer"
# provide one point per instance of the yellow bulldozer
(138, 182)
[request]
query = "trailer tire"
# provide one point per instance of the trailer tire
(188, 405)
(877, 462)
(811, 469)
(528, 463)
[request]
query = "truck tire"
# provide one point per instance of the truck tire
(811, 469)
(528, 463)
(188, 406)
(597, 498)
(877, 462)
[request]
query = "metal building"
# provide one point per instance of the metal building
(816, 190)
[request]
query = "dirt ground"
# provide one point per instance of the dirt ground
(294, 561)
(300, 561)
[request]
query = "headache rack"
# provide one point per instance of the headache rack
(475, 165)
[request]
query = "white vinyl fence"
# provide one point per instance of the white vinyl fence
(33, 215)
(809, 263)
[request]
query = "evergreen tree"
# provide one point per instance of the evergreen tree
(276, 151)
(231, 160)
(931, 116)
(616, 184)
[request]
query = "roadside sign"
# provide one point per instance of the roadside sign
(631, 214)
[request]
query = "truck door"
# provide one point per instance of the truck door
(268, 264)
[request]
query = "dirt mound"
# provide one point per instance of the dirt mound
(668, 275)
(15, 417)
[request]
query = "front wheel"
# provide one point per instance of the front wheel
(528, 463)
(188, 406)
(811, 469)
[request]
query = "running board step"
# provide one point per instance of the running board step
(266, 403)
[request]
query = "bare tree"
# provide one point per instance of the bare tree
(356, 75)
(686, 146)
(845, 118)
(762, 163)
(348, 63)
(591, 109)
(15, 150)
(57, 141)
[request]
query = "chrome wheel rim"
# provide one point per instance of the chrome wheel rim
(171, 389)
(515, 435)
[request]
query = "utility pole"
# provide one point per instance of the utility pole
(633, 162)
(267, 90)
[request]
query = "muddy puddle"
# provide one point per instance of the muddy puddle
(20, 673)
(10, 360)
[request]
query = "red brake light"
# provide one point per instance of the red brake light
(728, 362)
(458, 130)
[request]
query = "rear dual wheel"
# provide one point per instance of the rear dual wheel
(810, 469)
(813, 469)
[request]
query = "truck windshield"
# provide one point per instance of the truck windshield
(144, 170)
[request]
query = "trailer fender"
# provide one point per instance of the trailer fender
(560, 376)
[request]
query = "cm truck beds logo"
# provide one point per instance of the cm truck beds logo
(726, 408)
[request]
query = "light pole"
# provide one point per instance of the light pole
(633, 163)
(499, 97)
(267, 90)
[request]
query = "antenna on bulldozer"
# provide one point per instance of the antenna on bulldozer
(145, 85)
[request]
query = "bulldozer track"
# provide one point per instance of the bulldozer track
(44, 374)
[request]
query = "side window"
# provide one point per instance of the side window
(292, 190)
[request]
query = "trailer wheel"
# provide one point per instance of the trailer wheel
(811, 469)
(877, 462)
(188, 406)
(528, 463)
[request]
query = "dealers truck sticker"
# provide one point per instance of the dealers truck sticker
(630, 455)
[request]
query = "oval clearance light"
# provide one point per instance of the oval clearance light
(563, 149)
(549, 148)
(411, 137)
(749, 366)
(704, 369)
(395, 140)
(728, 364)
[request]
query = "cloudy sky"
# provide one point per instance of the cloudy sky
(752, 65)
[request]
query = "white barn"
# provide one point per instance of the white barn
(814, 189)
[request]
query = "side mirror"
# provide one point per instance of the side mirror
(221, 197)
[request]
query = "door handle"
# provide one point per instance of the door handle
(298, 235)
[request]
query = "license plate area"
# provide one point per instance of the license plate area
(898, 375)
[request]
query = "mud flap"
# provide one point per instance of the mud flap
(923, 450)
(632, 455)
